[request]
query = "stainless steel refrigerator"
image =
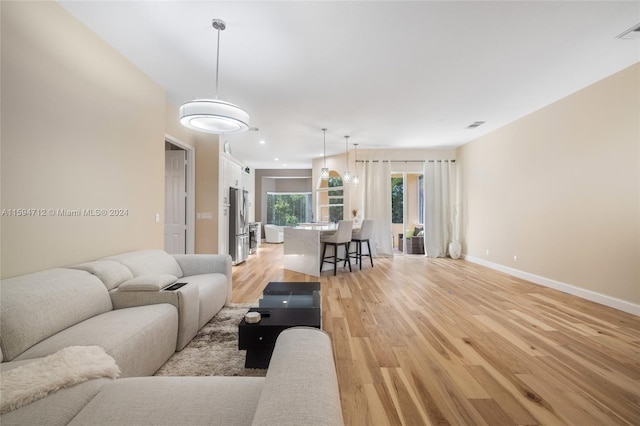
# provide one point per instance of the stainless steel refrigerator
(238, 225)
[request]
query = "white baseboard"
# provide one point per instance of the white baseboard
(603, 299)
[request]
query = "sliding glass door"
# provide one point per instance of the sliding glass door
(407, 212)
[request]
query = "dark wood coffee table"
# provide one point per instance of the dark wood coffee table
(283, 305)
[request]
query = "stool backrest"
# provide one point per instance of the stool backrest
(366, 230)
(343, 234)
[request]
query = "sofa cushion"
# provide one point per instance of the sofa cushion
(140, 339)
(174, 400)
(185, 299)
(212, 290)
(110, 272)
(35, 306)
(143, 262)
(149, 282)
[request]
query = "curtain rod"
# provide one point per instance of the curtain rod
(403, 161)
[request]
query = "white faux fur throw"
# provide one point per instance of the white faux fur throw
(65, 368)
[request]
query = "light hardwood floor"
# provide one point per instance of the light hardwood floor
(422, 341)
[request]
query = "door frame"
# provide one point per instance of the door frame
(191, 186)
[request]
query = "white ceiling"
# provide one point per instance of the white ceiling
(389, 74)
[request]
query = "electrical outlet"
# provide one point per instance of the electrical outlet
(486, 252)
(157, 217)
(515, 258)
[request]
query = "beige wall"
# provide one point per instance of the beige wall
(82, 128)
(560, 190)
(208, 150)
(175, 130)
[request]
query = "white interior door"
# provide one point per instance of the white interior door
(175, 202)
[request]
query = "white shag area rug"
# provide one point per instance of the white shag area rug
(67, 367)
(214, 350)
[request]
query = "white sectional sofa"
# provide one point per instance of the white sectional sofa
(120, 305)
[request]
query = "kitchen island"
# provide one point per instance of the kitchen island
(302, 247)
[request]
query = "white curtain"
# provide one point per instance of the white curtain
(439, 208)
(377, 205)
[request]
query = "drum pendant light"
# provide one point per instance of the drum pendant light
(213, 115)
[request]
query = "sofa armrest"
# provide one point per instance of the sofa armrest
(185, 299)
(301, 387)
(151, 282)
(198, 264)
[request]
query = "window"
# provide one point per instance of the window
(414, 204)
(331, 199)
(288, 209)
(397, 200)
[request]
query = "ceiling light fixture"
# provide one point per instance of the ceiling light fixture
(324, 173)
(346, 177)
(213, 115)
(355, 180)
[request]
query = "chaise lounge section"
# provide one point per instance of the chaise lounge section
(300, 389)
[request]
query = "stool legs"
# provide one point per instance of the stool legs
(335, 261)
(347, 259)
(358, 253)
(324, 250)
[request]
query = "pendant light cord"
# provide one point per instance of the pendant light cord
(324, 147)
(217, 62)
(346, 147)
(219, 25)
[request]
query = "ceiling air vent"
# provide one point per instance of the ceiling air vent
(475, 124)
(632, 33)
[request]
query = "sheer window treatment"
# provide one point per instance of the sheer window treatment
(441, 194)
(377, 205)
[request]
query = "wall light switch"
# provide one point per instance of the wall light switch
(157, 217)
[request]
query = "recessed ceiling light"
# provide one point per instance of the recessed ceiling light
(262, 141)
(276, 159)
(475, 124)
(284, 165)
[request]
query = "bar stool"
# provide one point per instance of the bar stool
(363, 235)
(342, 237)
